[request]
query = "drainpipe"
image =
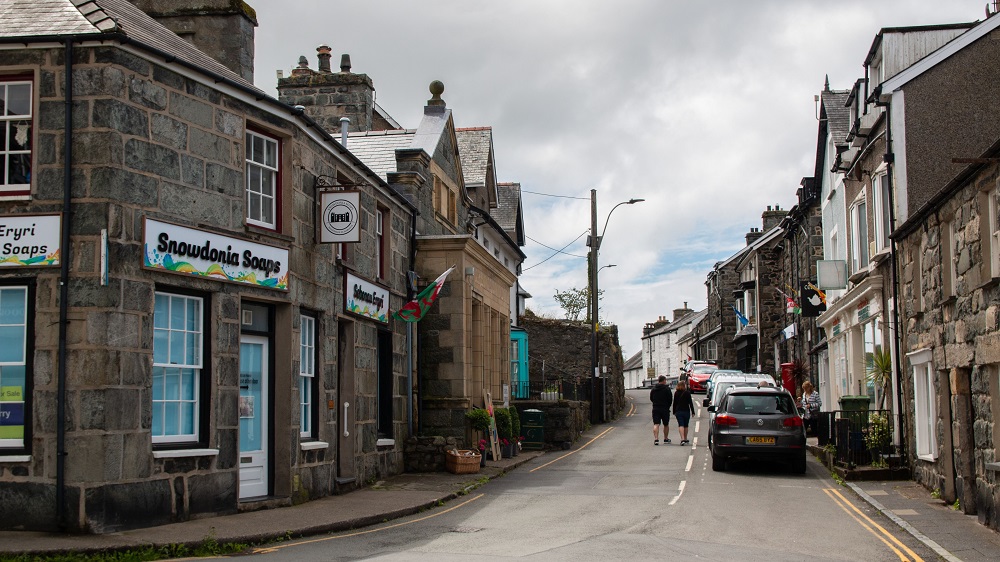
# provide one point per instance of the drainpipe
(410, 293)
(64, 260)
(889, 160)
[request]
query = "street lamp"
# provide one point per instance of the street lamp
(594, 242)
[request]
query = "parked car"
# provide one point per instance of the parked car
(718, 373)
(729, 375)
(698, 375)
(757, 423)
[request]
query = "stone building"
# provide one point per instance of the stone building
(943, 134)
(178, 341)
(756, 298)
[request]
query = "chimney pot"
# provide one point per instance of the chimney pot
(345, 62)
(324, 58)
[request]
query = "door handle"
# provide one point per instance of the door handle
(346, 406)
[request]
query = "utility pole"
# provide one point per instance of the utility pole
(595, 244)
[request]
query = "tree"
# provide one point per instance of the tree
(575, 301)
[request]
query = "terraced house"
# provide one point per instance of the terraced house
(195, 278)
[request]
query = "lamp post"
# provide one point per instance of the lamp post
(594, 242)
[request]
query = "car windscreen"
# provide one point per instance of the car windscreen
(760, 404)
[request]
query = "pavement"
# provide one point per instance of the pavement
(953, 535)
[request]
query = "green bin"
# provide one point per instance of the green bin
(855, 409)
(533, 429)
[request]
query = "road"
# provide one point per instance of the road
(615, 496)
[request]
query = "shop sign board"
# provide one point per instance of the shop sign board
(199, 253)
(366, 299)
(30, 240)
(340, 217)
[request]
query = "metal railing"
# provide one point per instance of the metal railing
(859, 437)
(569, 388)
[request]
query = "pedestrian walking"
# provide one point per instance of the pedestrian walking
(811, 404)
(683, 410)
(661, 397)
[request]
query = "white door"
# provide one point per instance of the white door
(253, 417)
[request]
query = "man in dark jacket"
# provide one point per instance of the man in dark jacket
(661, 398)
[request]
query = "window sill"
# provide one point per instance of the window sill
(15, 198)
(15, 458)
(312, 445)
(989, 283)
(927, 458)
(180, 453)
(263, 231)
(385, 443)
(993, 466)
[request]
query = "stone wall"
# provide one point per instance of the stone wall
(427, 454)
(963, 332)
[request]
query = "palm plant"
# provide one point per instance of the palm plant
(880, 372)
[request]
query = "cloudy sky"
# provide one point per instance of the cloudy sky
(705, 110)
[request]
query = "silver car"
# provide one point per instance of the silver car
(757, 423)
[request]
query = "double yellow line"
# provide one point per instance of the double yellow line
(874, 528)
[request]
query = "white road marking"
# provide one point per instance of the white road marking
(694, 443)
(697, 426)
(679, 492)
(690, 462)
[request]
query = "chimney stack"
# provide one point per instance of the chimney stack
(323, 53)
(771, 218)
(753, 235)
(222, 29)
(354, 96)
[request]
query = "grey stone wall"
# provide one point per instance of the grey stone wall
(964, 334)
(149, 142)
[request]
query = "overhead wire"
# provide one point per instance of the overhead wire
(557, 252)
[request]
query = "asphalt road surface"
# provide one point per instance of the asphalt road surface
(615, 496)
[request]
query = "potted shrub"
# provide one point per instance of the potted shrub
(880, 373)
(480, 421)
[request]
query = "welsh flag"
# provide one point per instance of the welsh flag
(414, 310)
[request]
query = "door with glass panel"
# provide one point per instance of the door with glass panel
(253, 410)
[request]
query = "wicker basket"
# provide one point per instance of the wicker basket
(462, 461)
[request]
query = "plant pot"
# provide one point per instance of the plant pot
(507, 451)
(482, 459)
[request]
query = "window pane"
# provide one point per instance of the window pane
(190, 348)
(11, 344)
(19, 99)
(271, 159)
(160, 305)
(253, 178)
(19, 169)
(267, 214)
(248, 147)
(254, 207)
(258, 149)
(266, 182)
(187, 384)
(171, 418)
(172, 385)
(176, 347)
(187, 418)
(193, 315)
(157, 384)
(158, 429)
(161, 353)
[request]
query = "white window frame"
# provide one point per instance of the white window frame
(307, 374)
(178, 365)
(859, 236)
(6, 122)
(261, 163)
(880, 190)
(948, 270)
(379, 241)
(991, 241)
(711, 350)
(22, 361)
(925, 404)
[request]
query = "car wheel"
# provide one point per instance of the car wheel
(718, 463)
(799, 464)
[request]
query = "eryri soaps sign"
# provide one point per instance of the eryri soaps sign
(190, 251)
(29, 240)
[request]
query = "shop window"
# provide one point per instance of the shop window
(178, 344)
(15, 146)
(14, 354)
(307, 376)
(711, 350)
(263, 180)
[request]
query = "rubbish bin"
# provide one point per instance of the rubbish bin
(533, 428)
(855, 409)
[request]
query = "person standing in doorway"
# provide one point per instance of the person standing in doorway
(683, 410)
(661, 398)
(811, 404)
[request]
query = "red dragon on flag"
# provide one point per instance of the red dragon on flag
(414, 310)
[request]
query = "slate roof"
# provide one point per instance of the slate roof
(634, 362)
(838, 114)
(377, 149)
(508, 205)
(474, 147)
(25, 18)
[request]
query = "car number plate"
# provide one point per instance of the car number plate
(760, 440)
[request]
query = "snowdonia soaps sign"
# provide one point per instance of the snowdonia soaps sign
(366, 299)
(30, 240)
(190, 251)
